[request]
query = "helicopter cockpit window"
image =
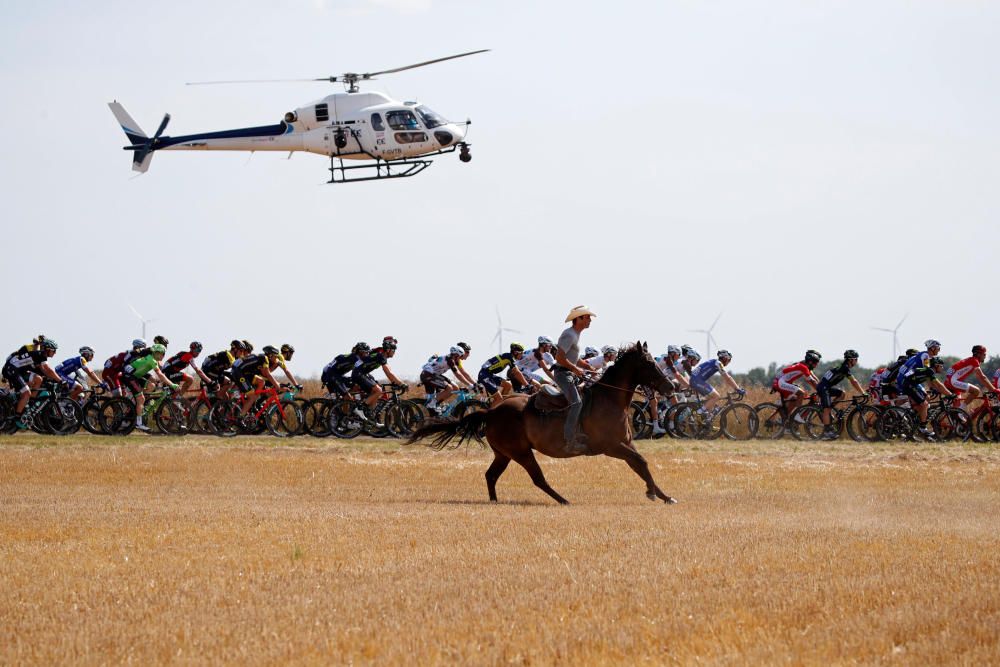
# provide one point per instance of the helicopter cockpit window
(402, 120)
(430, 118)
(377, 123)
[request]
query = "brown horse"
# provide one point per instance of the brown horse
(516, 426)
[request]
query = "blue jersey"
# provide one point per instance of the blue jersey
(70, 366)
(705, 370)
(917, 361)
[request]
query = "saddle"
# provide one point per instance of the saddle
(550, 400)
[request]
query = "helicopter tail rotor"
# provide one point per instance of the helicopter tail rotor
(141, 145)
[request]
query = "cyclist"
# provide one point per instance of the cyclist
(362, 373)
(217, 366)
(69, 368)
(489, 377)
(828, 391)
(704, 371)
(670, 365)
(113, 367)
(889, 392)
(175, 365)
(792, 395)
(533, 360)
(437, 385)
(969, 368)
(161, 340)
(462, 374)
(605, 358)
(912, 378)
(335, 374)
(29, 359)
(589, 354)
(137, 373)
(252, 371)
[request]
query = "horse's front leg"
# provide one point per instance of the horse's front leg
(626, 451)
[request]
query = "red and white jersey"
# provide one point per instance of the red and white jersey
(875, 381)
(789, 374)
(996, 380)
(960, 370)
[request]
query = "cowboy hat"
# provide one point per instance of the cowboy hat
(579, 311)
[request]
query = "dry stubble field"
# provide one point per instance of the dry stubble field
(153, 550)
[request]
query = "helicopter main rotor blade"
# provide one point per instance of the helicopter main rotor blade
(428, 62)
(213, 83)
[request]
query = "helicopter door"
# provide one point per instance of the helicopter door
(408, 135)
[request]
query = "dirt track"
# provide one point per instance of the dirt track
(157, 550)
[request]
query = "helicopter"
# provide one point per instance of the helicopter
(393, 138)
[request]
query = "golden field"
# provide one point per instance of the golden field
(202, 551)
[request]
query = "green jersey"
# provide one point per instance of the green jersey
(141, 367)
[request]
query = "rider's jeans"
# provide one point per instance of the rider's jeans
(567, 383)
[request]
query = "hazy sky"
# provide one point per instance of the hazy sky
(809, 169)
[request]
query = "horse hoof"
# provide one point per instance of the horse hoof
(670, 501)
(651, 495)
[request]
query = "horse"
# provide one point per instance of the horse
(516, 426)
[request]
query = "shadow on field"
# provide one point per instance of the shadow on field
(519, 503)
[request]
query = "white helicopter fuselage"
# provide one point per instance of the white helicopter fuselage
(370, 124)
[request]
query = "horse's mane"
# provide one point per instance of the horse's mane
(625, 354)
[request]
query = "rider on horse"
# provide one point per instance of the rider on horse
(567, 369)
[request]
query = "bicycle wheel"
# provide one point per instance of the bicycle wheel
(690, 423)
(641, 428)
(117, 416)
(668, 420)
(806, 423)
(172, 416)
(860, 422)
(770, 421)
(949, 424)
(62, 416)
(393, 415)
(314, 421)
(896, 424)
(982, 427)
(284, 420)
(91, 415)
(413, 415)
(198, 416)
(224, 419)
(738, 422)
(343, 422)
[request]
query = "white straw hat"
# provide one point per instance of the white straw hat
(579, 311)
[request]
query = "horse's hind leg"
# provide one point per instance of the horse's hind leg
(637, 463)
(493, 473)
(527, 460)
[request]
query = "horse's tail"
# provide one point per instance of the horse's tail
(472, 426)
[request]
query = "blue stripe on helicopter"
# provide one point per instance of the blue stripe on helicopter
(262, 131)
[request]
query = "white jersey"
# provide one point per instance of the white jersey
(529, 363)
(439, 365)
(996, 378)
(663, 363)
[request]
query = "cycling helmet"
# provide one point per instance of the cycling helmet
(49, 344)
(724, 354)
(978, 349)
(545, 340)
(196, 346)
(910, 352)
(465, 346)
(388, 345)
(270, 349)
(87, 351)
(360, 346)
(248, 346)
(693, 355)
(287, 350)
(236, 344)
(590, 352)
(685, 349)
(390, 339)
(813, 356)
(456, 352)
(673, 349)
(851, 354)
(936, 361)
(161, 340)
(516, 347)
(930, 342)
(138, 342)
(607, 349)
(157, 348)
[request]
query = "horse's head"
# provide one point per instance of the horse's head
(636, 360)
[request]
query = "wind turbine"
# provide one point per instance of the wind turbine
(143, 320)
(895, 335)
(500, 329)
(709, 338)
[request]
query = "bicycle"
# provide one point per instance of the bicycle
(774, 419)
(943, 419)
(49, 411)
(807, 420)
(735, 420)
(275, 410)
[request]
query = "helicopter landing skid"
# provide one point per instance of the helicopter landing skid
(381, 170)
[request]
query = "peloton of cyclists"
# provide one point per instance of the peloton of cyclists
(536, 359)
